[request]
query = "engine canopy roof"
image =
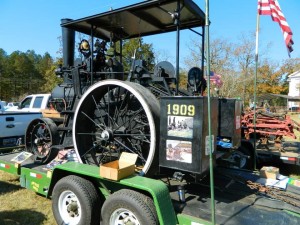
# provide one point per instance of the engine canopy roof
(138, 20)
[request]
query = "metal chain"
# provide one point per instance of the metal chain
(275, 193)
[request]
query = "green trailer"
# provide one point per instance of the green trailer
(81, 196)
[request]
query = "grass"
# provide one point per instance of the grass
(19, 206)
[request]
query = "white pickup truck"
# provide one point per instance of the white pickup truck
(13, 122)
(32, 103)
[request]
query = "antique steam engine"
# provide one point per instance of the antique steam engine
(103, 110)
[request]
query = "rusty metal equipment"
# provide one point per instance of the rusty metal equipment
(268, 125)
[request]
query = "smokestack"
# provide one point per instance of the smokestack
(68, 40)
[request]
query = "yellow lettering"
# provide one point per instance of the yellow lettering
(191, 110)
(182, 110)
(35, 186)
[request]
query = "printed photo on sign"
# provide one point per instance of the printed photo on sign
(179, 151)
(180, 126)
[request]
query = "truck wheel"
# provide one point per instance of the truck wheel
(129, 207)
(40, 135)
(115, 116)
(75, 201)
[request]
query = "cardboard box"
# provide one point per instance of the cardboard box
(269, 172)
(121, 168)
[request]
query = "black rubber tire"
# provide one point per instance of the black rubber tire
(140, 206)
(249, 161)
(85, 193)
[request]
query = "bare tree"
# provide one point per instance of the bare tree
(245, 62)
(162, 55)
(222, 63)
(235, 62)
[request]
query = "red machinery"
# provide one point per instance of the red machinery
(268, 125)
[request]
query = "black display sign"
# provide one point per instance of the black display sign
(184, 143)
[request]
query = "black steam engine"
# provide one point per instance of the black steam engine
(103, 110)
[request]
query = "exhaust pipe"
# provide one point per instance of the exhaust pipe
(68, 41)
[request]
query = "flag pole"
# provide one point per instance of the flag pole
(255, 84)
(207, 50)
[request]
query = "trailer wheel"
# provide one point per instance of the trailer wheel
(40, 135)
(129, 207)
(244, 157)
(75, 201)
(117, 116)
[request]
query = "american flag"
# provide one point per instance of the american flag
(215, 79)
(271, 7)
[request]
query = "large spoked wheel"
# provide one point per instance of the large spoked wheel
(40, 135)
(115, 116)
(129, 207)
(75, 202)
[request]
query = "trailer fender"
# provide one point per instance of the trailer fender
(159, 192)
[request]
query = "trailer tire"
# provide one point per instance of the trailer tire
(247, 163)
(75, 201)
(129, 206)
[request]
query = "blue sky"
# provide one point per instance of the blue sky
(35, 24)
